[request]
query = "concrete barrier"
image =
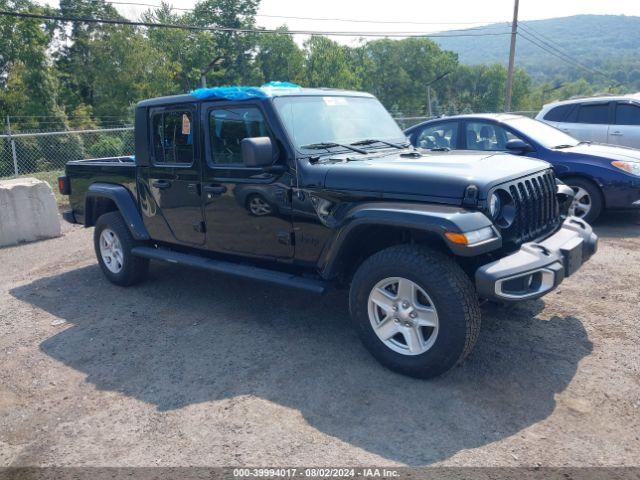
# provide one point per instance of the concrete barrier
(28, 211)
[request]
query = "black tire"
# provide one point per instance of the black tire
(597, 201)
(134, 269)
(451, 292)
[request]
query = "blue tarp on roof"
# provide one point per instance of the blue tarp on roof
(244, 93)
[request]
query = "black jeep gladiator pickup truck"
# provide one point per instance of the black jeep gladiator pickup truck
(308, 188)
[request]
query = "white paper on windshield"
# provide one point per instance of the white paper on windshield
(334, 101)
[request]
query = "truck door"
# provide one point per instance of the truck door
(247, 210)
(170, 200)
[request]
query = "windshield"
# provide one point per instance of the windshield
(315, 120)
(545, 135)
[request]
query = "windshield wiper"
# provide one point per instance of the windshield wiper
(328, 145)
(370, 141)
(558, 147)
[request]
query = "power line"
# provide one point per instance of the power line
(555, 46)
(317, 19)
(240, 30)
(563, 57)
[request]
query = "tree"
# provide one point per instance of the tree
(28, 84)
(75, 59)
(398, 71)
(279, 57)
(134, 71)
(327, 64)
(235, 49)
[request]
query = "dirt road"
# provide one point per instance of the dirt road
(194, 369)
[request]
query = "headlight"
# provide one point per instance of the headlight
(494, 206)
(630, 167)
(471, 238)
(502, 208)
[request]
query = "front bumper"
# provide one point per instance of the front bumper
(538, 267)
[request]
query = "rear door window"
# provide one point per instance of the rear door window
(627, 114)
(596, 114)
(172, 137)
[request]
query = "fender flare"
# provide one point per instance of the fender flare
(125, 203)
(433, 219)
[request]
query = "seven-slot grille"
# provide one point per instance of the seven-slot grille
(536, 205)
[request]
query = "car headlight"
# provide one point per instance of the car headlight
(495, 206)
(630, 167)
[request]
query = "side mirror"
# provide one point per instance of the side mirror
(257, 151)
(517, 145)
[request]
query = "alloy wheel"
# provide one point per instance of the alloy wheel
(581, 204)
(111, 251)
(403, 316)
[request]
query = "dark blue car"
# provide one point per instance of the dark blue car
(603, 176)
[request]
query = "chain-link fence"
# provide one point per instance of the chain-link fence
(25, 153)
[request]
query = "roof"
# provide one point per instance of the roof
(598, 98)
(498, 117)
(241, 93)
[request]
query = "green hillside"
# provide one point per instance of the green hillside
(609, 43)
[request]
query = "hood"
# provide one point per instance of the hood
(608, 153)
(441, 174)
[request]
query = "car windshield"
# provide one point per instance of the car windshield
(314, 122)
(545, 135)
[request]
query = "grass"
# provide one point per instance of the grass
(52, 179)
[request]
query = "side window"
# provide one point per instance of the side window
(172, 137)
(627, 114)
(487, 136)
(443, 135)
(228, 127)
(594, 113)
(558, 114)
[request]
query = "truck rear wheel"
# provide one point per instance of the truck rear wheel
(415, 310)
(113, 243)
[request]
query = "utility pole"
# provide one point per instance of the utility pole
(429, 108)
(512, 57)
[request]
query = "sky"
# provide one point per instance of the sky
(444, 14)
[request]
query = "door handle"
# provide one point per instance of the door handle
(161, 184)
(214, 190)
(616, 134)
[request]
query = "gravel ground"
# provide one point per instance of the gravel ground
(194, 369)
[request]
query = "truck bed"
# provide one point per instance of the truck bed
(82, 173)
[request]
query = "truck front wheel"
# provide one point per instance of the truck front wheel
(113, 243)
(415, 310)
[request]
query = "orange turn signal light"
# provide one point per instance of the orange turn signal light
(459, 238)
(622, 166)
